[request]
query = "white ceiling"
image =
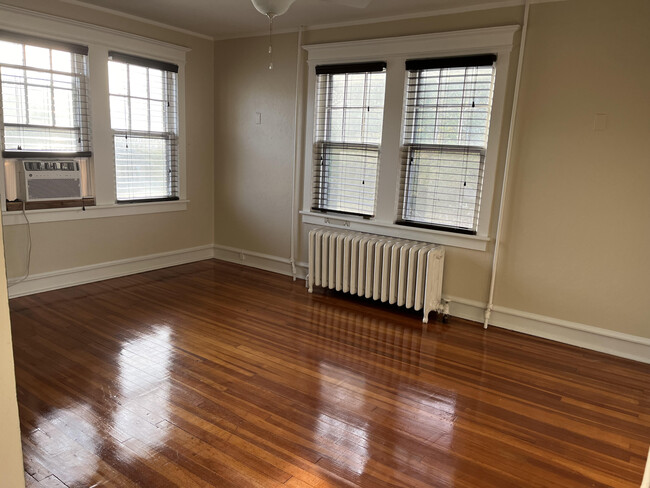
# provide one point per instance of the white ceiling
(235, 18)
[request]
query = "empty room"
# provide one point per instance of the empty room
(325, 243)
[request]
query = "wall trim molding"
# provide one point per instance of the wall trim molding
(259, 260)
(55, 280)
(573, 333)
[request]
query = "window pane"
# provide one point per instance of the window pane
(39, 103)
(350, 179)
(444, 187)
(38, 78)
(12, 75)
(61, 61)
(63, 109)
(63, 81)
(353, 124)
(139, 114)
(117, 78)
(157, 114)
(119, 112)
(141, 169)
(31, 138)
(335, 133)
(337, 97)
(14, 103)
(451, 106)
(138, 82)
(156, 83)
(11, 53)
(37, 57)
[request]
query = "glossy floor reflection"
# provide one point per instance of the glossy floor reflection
(214, 375)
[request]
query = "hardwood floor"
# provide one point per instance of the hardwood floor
(215, 375)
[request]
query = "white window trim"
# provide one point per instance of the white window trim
(99, 41)
(395, 51)
(94, 212)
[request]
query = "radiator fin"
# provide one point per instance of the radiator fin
(397, 271)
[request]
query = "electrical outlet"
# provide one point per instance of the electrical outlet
(600, 122)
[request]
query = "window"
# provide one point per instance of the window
(448, 106)
(434, 156)
(44, 97)
(54, 98)
(144, 120)
(350, 113)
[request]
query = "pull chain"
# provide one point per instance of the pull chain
(271, 16)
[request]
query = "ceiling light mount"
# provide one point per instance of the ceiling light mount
(272, 8)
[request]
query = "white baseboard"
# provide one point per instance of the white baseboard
(581, 335)
(646, 475)
(258, 260)
(589, 337)
(103, 271)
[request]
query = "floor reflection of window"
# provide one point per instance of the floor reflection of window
(144, 385)
(73, 437)
(378, 377)
(351, 439)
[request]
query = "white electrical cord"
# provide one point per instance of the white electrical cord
(506, 171)
(29, 250)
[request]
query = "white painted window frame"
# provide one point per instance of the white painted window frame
(99, 41)
(395, 51)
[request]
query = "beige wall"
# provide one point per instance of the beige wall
(577, 218)
(578, 221)
(576, 225)
(11, 458)
(253, 170)
(63, 245)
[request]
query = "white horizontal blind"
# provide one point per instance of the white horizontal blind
(144, 119)
(448, 106)
(44, 87)
(349, 119)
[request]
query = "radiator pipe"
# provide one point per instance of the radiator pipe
(296, 156)
(506, 170)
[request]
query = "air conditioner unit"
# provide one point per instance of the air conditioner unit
(51, 180)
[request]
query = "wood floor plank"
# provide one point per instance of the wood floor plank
(216, 375)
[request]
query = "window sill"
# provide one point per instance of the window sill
(477, 243)
(101, 211)
(17, 206)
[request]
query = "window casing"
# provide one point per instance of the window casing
(98, 168)
(349, 119)
(144, 119)
(448, 105)
(396, 51)
(44, 87)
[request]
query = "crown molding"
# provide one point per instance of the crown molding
(393, 18)
(484, 40)
(12, 18)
